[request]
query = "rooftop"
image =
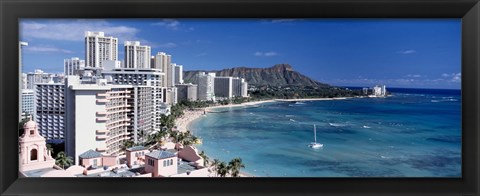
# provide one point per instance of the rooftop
(160, 154)
(184, 167)
(137, 148)
(90, 154)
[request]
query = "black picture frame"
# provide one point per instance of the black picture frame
(12, 10)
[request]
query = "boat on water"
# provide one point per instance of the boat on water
(315, 144)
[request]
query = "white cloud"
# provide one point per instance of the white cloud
(408, 52)
(453, 77)
(47, 50)
(413, 76)
(74, 30)
(166, 45)
(267, 54)
(168, 23)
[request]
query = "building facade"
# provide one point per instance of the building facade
(73, 66)
(224, 87)
(136, 55)
(33, 153)
(50, 110)
(99, 48)
(206, 85)
(187, 92)
(178, 76)
(162, 62)
(149, 84)
(98, 117)
(28, 103)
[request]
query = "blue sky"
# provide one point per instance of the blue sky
(415, 53)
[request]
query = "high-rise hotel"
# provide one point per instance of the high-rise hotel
(99, 48)
(136, 55)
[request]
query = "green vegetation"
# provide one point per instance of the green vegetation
(62, 160)
(300, 92)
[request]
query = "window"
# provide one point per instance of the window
(164, 163)
(171, 161)
(33, 155)
(95, 162)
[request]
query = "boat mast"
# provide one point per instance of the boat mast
(315, 132)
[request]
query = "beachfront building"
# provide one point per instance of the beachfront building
(27, 103)
(136, 55)
(99, 48)
(206, 86)
(380, 91)
(224, 87)
(73, 66)
(244, 89)
(111, 65)
(98, 116)
(187, 92)
(161, 62)
(148, 85)
(178, 75)
(161, 163)
(50, 110)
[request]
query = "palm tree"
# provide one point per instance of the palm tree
(63, 160)
(205, 158)
(215, 165)
(235, 166)
(223, 169)
(49, 148)
(127, 144)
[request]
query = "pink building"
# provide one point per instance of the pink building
(94, 159)
(161, 163)
(136, 155)
(190, 154)
(33, 150)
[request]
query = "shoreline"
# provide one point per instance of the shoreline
(183, 123)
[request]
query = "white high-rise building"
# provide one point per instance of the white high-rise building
(187, 92)
(136, 55)
(206, 86)
(98, 116)
(178, 76)
(24, 81)
(28, 103)
(99, 48)
(162, 62)
(73, 66)
(224, 87)
(380, 91)
(147, 79)
(50, 110)
(244, 88)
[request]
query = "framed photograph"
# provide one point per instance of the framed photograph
(240, 98)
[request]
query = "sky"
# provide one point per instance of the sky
(407, 53)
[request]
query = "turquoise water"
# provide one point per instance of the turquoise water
(405, 135)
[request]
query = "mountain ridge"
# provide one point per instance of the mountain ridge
(279, 75)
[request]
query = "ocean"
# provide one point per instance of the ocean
(413, 133)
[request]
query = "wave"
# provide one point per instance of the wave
(337, 124)
(366, 127)
(443, 100)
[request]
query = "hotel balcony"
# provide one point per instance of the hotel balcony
(101, 137)
(102, 101)
(102, 119)
(101, 149)
(102, 113)
(102, 94)
(102, 131)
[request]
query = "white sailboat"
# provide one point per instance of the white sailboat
(315, 144)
